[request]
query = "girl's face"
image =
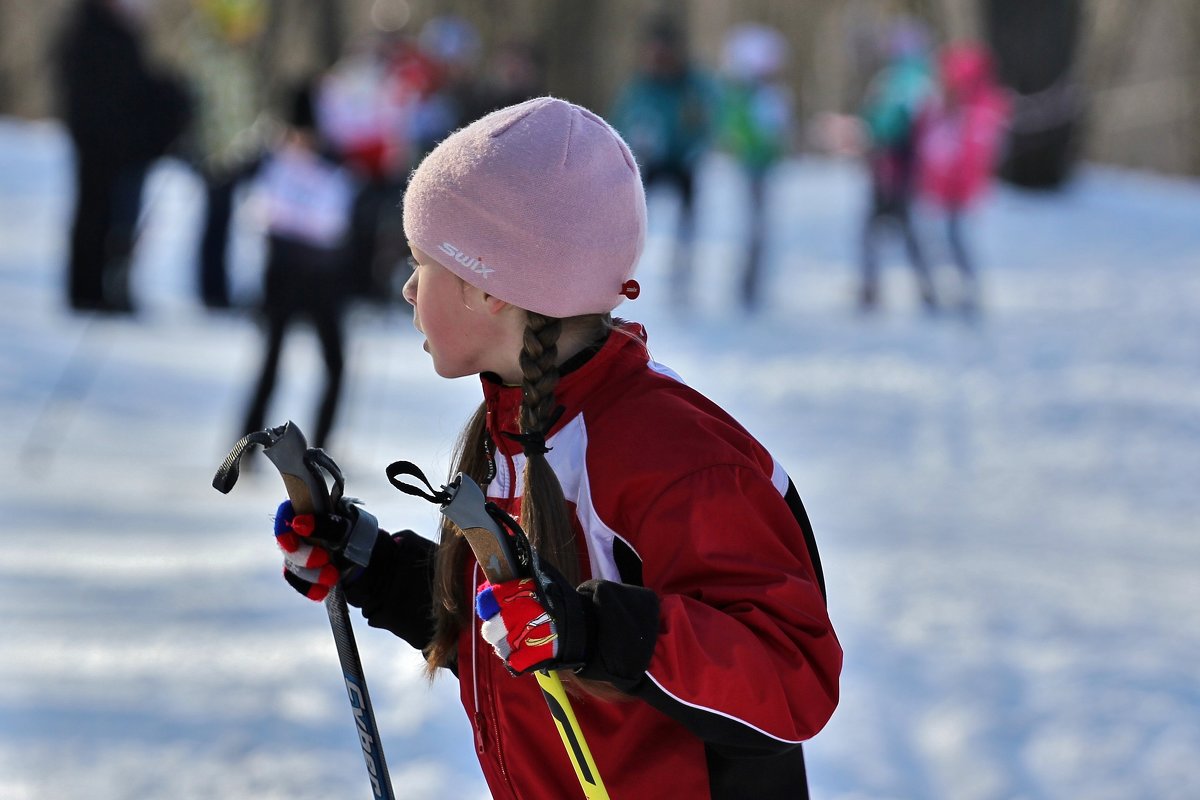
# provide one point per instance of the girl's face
(466, 330)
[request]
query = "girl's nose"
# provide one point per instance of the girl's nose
(409, 292)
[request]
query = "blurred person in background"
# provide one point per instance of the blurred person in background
(304, 196)
(755, 127)
(452, 46)
(666, 114)
(361, 110)
(121, 116)
(894, 101)
(515, 73)
(385, 104)
(959, 146)
(364, 105)
(221, 38)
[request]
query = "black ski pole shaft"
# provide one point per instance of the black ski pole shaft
(288, 450)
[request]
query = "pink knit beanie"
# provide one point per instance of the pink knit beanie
(540, 204)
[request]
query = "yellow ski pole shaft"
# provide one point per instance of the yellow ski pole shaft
(572, 735)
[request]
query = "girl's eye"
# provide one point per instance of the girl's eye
(412, 263)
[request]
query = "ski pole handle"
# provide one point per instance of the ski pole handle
(287, 449)
(467, 509)
(305, 486)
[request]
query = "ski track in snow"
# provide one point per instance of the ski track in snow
(1006, 506)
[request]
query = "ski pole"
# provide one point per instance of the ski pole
(300, 467)
(468, 509)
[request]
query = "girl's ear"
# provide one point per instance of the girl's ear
(494, 304)
(478, 299)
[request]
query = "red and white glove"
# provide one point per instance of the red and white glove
(311, 564)
(532, 629)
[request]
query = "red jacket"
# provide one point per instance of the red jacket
(732, 662)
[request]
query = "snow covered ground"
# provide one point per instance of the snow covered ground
(1007, 507)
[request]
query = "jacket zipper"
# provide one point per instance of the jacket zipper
(481, 722)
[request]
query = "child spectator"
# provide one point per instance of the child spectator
(305, 197)
(960, 142)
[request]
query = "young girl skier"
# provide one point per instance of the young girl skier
(689, 613)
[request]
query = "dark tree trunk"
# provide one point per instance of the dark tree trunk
(1036, 43)
(571, 46)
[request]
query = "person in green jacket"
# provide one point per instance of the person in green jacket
(666, 114)
(891, 109)
(755, 128)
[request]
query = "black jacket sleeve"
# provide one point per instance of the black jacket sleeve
(395, 592)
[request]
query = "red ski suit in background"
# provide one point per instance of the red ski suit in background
(739, 660)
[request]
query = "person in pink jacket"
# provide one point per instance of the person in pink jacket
(687, 609)
(959, 143)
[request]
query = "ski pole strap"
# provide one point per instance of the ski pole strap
(360, 539)
(399, 468)
(229, 471)
(316, 459)
(464, 503)
(312, 459)
(526, 558)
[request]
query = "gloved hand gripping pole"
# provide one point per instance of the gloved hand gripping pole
(504, 557)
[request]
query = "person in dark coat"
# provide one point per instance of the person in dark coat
(121, 117)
